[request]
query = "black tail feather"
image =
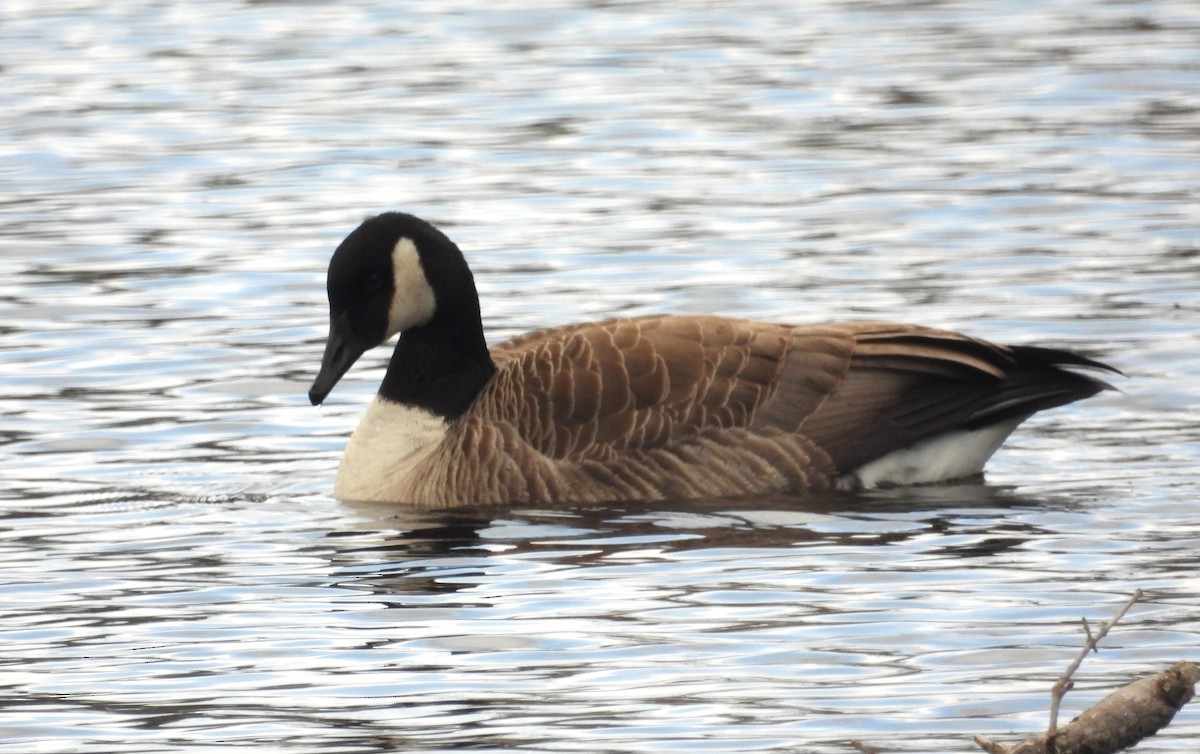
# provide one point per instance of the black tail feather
(1035, 381)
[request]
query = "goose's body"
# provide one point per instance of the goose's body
(654, 407)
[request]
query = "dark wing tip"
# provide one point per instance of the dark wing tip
(1037, 356)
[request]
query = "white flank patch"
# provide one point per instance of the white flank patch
(413, 303)
(948, 456)
(390, 440)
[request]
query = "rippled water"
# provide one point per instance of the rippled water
(173, 572)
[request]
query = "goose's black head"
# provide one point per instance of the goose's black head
(396, 273)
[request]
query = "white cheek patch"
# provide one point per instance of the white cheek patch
(413, 303)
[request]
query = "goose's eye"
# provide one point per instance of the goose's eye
(375, 282)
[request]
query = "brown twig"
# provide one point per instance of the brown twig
(1120, 720)
(1064, 683)
(864, 748)
(990, 746)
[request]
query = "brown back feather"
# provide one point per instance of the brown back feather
(654, 391)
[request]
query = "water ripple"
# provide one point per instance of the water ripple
(175, 574)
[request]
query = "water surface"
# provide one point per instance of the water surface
(174, 574)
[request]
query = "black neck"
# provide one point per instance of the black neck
(439, 367)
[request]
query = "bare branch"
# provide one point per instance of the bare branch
(990, 746)
(1064, 683)
(1121, 719)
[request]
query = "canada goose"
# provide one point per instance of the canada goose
(653, 407)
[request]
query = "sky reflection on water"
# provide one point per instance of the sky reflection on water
(175, 574)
